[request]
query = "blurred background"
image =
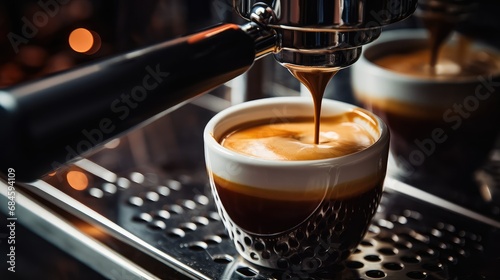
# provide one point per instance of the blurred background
(41, 37)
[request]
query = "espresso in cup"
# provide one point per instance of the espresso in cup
(442, 119)
(287, 202)
(290, 141)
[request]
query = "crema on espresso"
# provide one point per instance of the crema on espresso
(294, 140)
(454, 62)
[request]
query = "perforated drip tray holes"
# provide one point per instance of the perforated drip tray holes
(408, 239)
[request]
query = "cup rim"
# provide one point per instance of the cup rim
(417, 35)
(209, 138)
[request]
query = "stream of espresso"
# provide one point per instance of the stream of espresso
(438, 31)
(315, 80)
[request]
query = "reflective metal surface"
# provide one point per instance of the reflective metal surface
(327, 33)
(329, 14)
(162, 217)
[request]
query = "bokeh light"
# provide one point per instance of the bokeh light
(77, 180)
(84, 41)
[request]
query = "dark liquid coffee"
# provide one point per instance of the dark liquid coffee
(275, 212)
(441, 142)
(280, 210)
(298, 234)
(315, 79)
(300, 227)
(437, 149)
(438, 30)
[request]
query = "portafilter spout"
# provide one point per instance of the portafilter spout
(326, 33)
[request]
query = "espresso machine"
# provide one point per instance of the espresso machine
(107, 156)
(106, 95)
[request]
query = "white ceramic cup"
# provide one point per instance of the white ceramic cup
(441, 129)
(295, 215)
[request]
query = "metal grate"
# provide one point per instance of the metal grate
(175, 212)
(170, 209)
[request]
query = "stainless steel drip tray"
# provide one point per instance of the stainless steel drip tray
(170, 218)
